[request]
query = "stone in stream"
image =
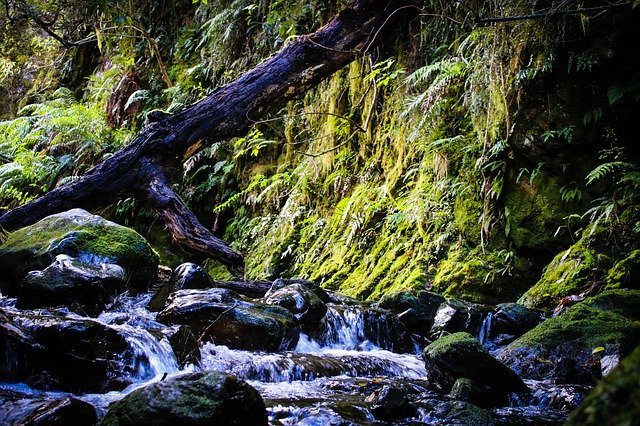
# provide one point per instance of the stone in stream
(391, 403)
(23, 409)
(562, 349)
(461, 355)
(305, 300)
(511, 320)
(454, 316)
(54, 352)
(89, 238)
(196, 399)
(226, 318)
(415, 311)
(186, 276)
(84, 288)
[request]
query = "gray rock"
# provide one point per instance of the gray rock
(84, 288)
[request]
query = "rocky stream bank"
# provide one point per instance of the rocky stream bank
(92, 331)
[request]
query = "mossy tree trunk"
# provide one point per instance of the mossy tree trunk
(145, 168)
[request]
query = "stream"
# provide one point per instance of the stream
(335, 378)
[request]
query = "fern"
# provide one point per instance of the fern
(607, 169)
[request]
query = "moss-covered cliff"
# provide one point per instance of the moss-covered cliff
(458, 156)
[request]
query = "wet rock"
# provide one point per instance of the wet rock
(454, 316)
(56, 352)
(89, 238)
(196, 398)
(511, 320)
(226, 318)
(390, 403)
(185, 276)
(478, 394)
(415, 311)
(24, 409)
(461, 355)
(561, 348)
(436, 411)
(616, 399)
(185, 346)
(301, 300)
(85, 289)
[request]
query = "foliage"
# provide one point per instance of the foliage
(51, 143)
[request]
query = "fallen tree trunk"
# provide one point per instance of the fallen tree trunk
(145, 168)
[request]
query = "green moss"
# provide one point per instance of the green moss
(570, 272)
(535, 210)
(612, 317)
(625, 273)
(616, 399)
(89, 238)
(482, 276)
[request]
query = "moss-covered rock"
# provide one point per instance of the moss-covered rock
(625, 273)
(616, 399)
(570, 272)
(196, 399)
(481, 276)
(461, 355)
(610, 320)
(79, 234)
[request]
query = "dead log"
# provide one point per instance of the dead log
(145, 168)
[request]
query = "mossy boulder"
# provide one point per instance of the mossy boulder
(226, 318)
(460, 355)
(560, 348)
(625, 273)
(616, 399)
(481, 276)
(203, 398)
(90, 239)
(572, 271)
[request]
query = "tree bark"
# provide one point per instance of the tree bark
(144, 168)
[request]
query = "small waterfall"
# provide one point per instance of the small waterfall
(484, 333)
(344, 328)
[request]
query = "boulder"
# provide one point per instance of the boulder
(478, 394)
(461, 355)
(74, 355)
(301, 300)
(186, 276)
(415, 311)
(561, 348)
(436, 411)
(615, 400)
(226, 318)
(24, 409)
(454, 316)
(391, 403)
(89, 238)
(202, 398)
(85, 289)
(511, 320)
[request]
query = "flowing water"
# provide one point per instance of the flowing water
(325, 380)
